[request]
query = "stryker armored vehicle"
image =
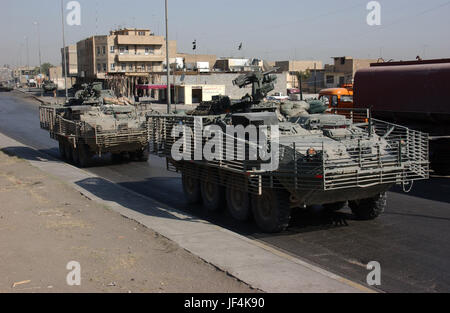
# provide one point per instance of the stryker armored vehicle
(311, 155)
(6, 87)
(95, 123)
(49, 86)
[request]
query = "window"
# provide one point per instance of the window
(141, 33)
(104, 67)
(99, 67)
(149, 50)
(124, 67)
(104, 50)
(98, 50)
(113, 66)
(341, 80)
(111, 49)
(130, 67)
(334, 101)
(330, 79)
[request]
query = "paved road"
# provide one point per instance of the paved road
(411, 241)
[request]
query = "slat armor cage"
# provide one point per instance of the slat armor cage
(400, 156)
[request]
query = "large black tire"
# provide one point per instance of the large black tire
(68, 151)
(76, 156)
(84, 156)
(62, 150)
(271, 210)
(369, 209)
(191, 189)
(238, 202)
(213, 195)
(333, 207)
(142, 155)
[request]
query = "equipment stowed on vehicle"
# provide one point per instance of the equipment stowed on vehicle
(95, 122)
(331, 158)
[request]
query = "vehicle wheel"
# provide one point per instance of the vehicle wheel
(238, 203)
(333, 207)
(191, 188)
(62, 150)
(272, 210)
(369, 209)
(68, 151)
(213, 194)
(76, 156)
(142, 155)
(84, 156)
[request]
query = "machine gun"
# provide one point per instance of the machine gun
(262, 83)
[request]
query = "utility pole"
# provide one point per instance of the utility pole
(40, 58)
(167, 58)
(28, 60)
(64, 49)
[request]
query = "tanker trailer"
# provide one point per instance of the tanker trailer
(413, 94)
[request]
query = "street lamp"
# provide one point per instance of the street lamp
(167, 58)
(64, 49)
(39, 43)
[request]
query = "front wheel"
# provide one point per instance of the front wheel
(271, 210)
(369, 209)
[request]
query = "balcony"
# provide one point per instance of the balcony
(140, 40)
(139, 58)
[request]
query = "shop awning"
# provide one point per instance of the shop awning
(152, 87)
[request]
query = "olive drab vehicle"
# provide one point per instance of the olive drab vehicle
(323, 157)
(95, 122)
(49, 86)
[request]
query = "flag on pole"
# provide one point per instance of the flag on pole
(240, 46)
(194, 44)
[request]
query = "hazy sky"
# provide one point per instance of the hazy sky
(274, 30)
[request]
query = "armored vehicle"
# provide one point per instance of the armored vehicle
(310, 155)
(95, 123)
(49, 86)
(6, 87)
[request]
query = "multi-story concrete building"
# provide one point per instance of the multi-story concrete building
(291, 68)
(71, 65)
(341, 72)
(124, 59)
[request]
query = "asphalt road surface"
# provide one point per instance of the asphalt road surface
(410, 241)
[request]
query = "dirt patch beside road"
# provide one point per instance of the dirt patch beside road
(45, 224)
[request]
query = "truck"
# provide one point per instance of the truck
(414, 94)
(337, 97)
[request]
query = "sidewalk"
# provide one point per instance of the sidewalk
(45, 223)
(255, 263)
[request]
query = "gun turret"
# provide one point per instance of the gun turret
(262, 83)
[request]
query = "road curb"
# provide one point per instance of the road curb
(258, 265)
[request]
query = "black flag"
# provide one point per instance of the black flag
(194, 45)
(240, 46)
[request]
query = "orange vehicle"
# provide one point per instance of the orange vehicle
(337, 97)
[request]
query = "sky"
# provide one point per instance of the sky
(269, 29)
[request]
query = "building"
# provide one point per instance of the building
(292, 68)
(196, 62)
(341, 72)
(71, 65)
(123, 59)
(233, 65)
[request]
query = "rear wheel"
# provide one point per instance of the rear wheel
(76, 156)
(238, 202)
(191, 188)
(84, 156)
(68, 151)
(369, 209)
(62, 150)
(213, 194)
(272, 210)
